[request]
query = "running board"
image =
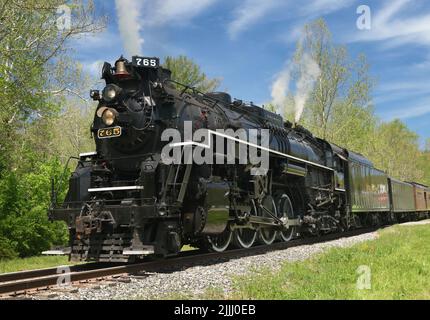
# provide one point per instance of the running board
(85, 155)
(123, 188)
(57, 252)
(144, 251)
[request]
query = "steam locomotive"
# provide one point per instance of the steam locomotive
(126, 202)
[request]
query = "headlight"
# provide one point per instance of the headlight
(110, 92)
(108, 117)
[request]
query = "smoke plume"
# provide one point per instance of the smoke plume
(129, 25)
(308, 72)
(280, 89)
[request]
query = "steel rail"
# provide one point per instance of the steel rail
(19, 275)
(21, 282)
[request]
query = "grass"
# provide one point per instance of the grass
(21, 264)
(399, 264)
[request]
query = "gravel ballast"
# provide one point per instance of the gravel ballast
(195, 280)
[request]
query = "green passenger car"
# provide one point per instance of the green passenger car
(369, 190)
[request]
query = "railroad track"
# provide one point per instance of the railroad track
(31, 282)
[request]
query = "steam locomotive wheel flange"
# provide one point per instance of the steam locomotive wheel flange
(220, 242)
(285, 210)
(244, 238)
(267, 235)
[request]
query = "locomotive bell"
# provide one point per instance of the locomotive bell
(121, 69)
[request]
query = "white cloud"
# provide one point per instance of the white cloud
(249, 13)
(407, 112)
(424, 65)
(321, 7)
(391, 24)
(405, 86)
(135, 17)
(401, 91)
(95, 41)
(177, 11)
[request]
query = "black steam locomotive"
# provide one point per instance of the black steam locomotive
(125, 202)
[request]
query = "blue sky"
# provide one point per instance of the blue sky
(247, 43)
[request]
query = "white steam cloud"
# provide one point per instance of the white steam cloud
(280, 89)
(308, 72)
(128, 12)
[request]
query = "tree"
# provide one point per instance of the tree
(427, 146)
(72, 132)
(397, 151)
(186, 71)
(36, 78)
(24, 199)
(31, 47)
(339, 109)
(69, 129)
(343, 85)
(424, 165)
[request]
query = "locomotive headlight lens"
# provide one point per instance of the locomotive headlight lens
(110, 92)
(108, 117)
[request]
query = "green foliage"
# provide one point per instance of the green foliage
(71, 131)
(343, 85)
(7, 250)
(397, 151)
(424, 164)
(186, 71)
(338, 105)
(25, 190)
(31, 47)
(24, 199)
(41, 89)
